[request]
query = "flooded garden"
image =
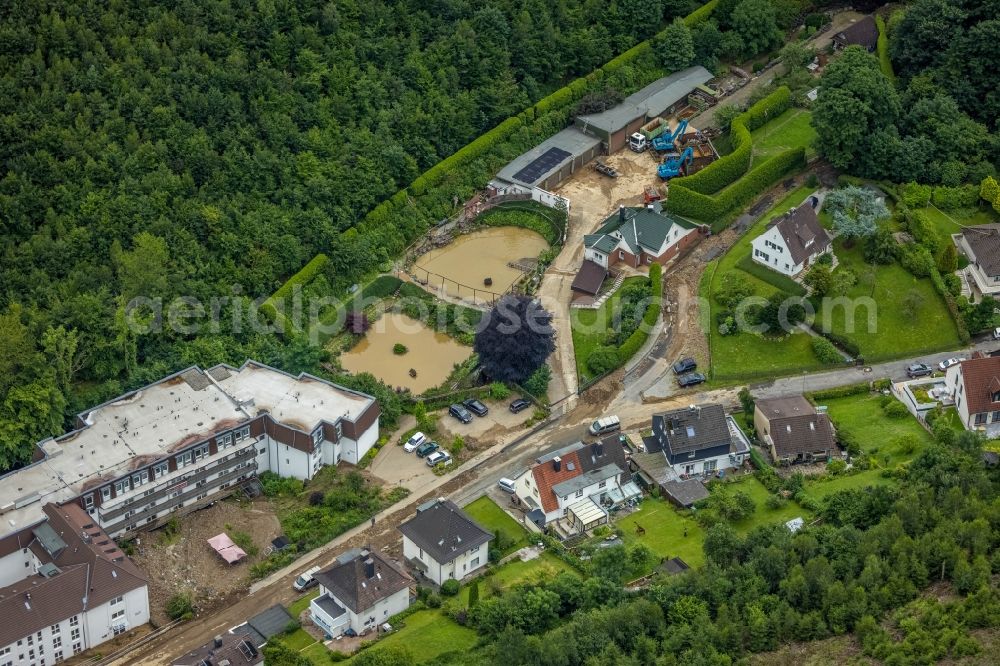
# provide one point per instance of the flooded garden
(474, 266)
(424, 361)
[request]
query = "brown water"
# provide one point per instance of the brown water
(464, 263)
(431, 354)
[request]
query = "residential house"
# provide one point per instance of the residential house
(188, 440)
(241, 645)
(792, 242)
(639, 236)
(793, 431)
(981, 245)
(65, 587)
(359, 592)
(863, 33)
(975, 385)
(579, 483)
(443, 542)
(698, 440)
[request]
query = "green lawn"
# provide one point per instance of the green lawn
(544, 566)
(590, 326)
(893, 330)
(746, 354)
(665, 528)
(298, 640)
(952, 417)
(763, 515)
(492, 517)
(863, 418)
(951, 221)
(302, 603)
(427, 634)
(789, 130)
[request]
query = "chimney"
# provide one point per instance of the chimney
(369, 568)
(600, 449)
(557, 463)
(621, 213)
(217, 641)
(593, 450)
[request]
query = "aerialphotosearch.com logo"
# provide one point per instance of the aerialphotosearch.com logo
(319, 317)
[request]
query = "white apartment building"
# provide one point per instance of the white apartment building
(188, 440)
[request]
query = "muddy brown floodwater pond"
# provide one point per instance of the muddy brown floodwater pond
(431, 354)
(464, 263)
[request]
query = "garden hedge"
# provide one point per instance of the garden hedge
(701, 14)
(777, 280)
(300, 279)
(882, 45)
(841, 392)
(728, 169)
(949, 198)
(689, 203)
(634, 343)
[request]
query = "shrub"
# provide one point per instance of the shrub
(450, 587)
(603, 360)
(399, 349)
(915, 195)
(180, 606)
(895, 409)
(840, 392)
(538, 383)
(277, 486)
(775, 502)
(836, 466)
(825, 351)
(989, 191)
(499, 391)
(457, 444)
(316, 498)
(949, 198)
(434, 600)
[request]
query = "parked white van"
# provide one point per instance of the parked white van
(605, 425)
(506, 485)
(305, 579)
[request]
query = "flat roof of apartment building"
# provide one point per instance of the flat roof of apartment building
(135, 429)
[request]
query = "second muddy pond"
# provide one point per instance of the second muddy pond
(464, 263)
(431, 354)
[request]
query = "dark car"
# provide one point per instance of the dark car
(460, 413)
(427, 448)
(684, 365)
(690, 379)
(520, 405)
(476, 407)
(917, 370)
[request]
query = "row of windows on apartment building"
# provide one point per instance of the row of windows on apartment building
(149, 519)
(35, 653)
(162, 468)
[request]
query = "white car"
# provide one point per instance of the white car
(947, 363)
(996, 333)
(413, 442)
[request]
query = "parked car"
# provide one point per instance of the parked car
(438, 457)
(476, 407)
(306, 579)
(690, 379)
(507, 485)
(460, 413)
(948, 362)
(413, 442)
(520, 405)
(917, 370)
(426, 449)
(605, 425)
(684, 365)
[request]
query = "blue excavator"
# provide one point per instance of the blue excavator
(672, 166)
(666, 140)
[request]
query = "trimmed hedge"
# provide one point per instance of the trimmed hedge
(777, 280)
(952, 304)
(841, 391)
(701, 14)
(689, 203)
(884, 63)
(634, 343)
(728, 169)
(949, 198)
(300, 280)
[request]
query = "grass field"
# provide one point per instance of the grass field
(863, 418)
(665, 528)
(542, 567)
(427, 634)
(951, 221)
(763, 515)
(895, 331)
(789, 130)
(590, 327)
(745, 354)
(302, 603)
(492, 517)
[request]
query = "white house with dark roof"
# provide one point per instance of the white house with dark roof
(443, 542)
(792, 242)
(359, 592)
(981, 245)
(793, 431)
(698, 440)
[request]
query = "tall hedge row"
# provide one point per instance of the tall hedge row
(730, 168)
(701, 14)
(689, 203)
(882, 47)
(285, 291)
(634, 343)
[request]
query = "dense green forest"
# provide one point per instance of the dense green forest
(939, 122)
(210, 149)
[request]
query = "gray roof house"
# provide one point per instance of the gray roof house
(638, 236)
(358, 592)
(981, 245)
(441, 541)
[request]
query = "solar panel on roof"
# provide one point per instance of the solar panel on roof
(544, 162)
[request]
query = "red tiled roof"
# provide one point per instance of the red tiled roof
(981, 377)
(546, 476)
